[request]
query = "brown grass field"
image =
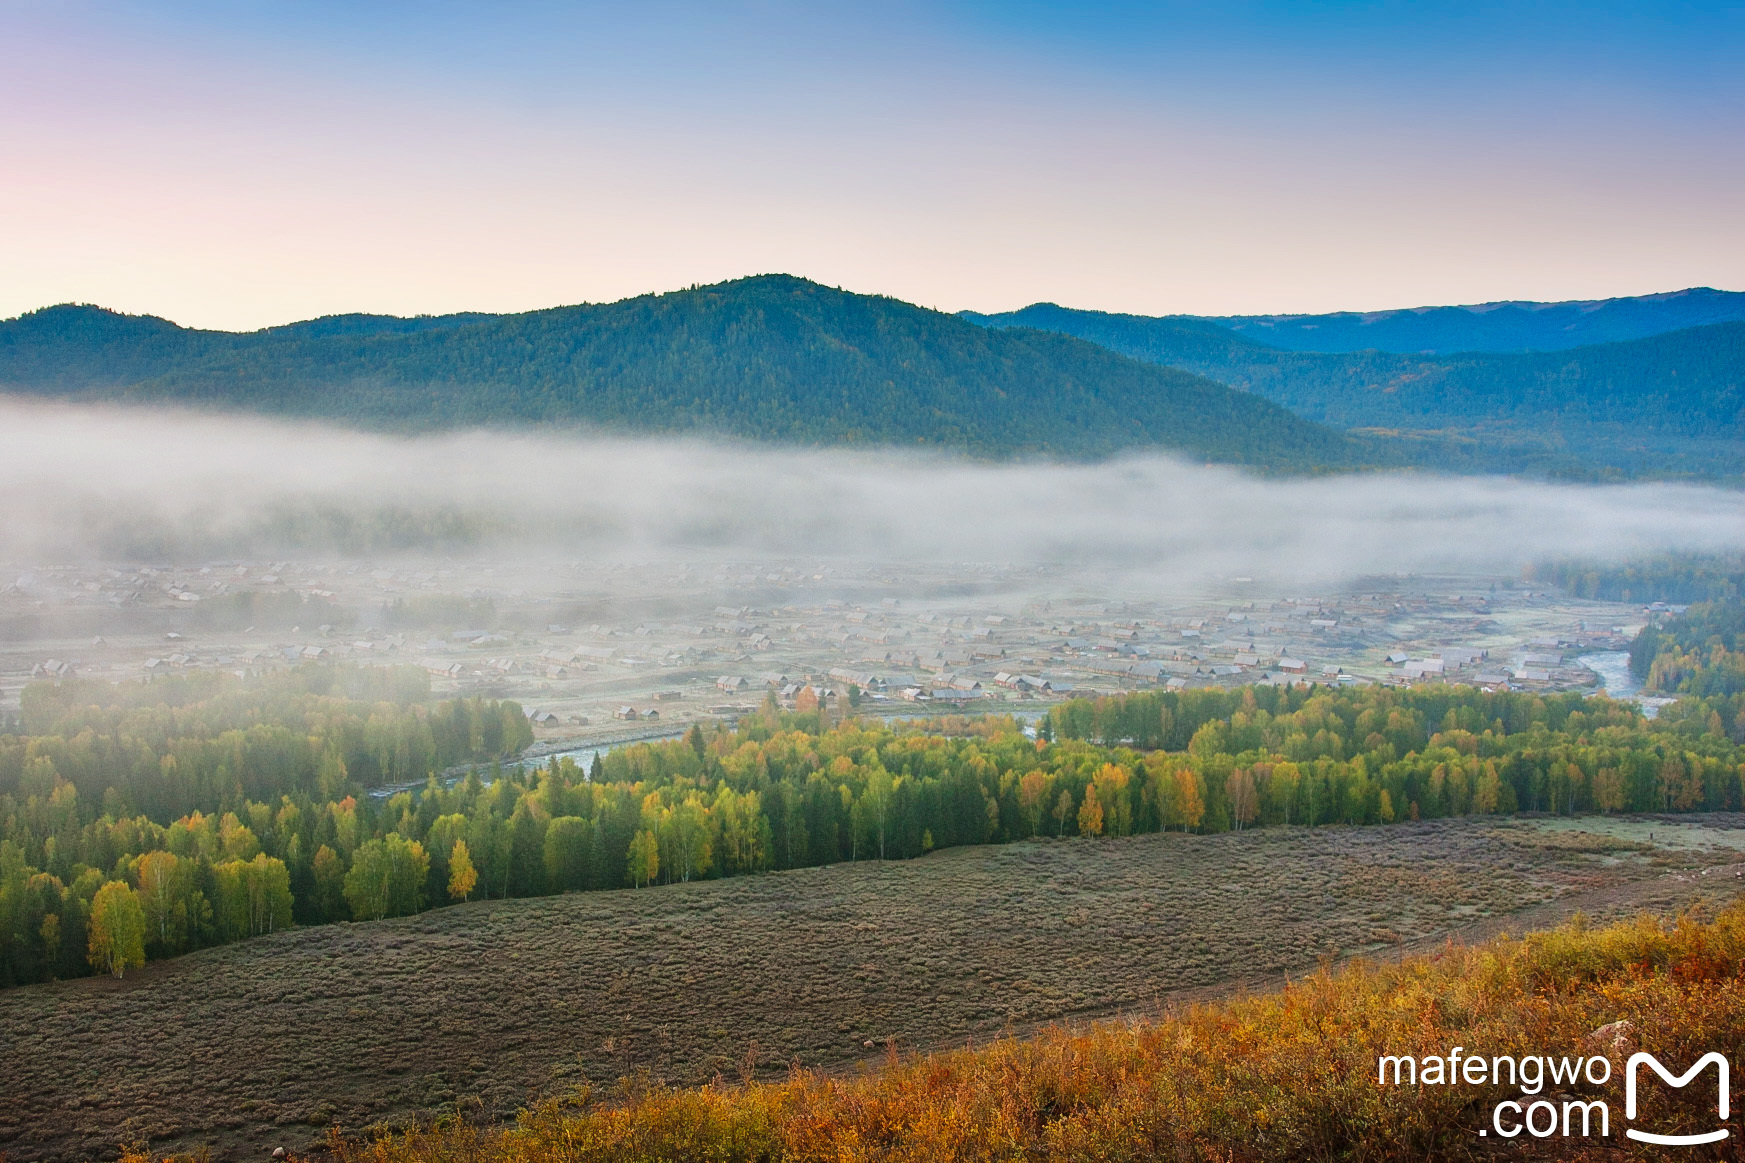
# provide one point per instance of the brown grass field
(489, 1006)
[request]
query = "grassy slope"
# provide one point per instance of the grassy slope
(268, 1042)
(1283, 1077)
(763, 358)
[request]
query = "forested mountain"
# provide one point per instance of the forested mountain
(360, 324)
(1498, 327)
(783, 359)
(1171, 340)
(75, 348)
(1495, 326)
(1667, 403)
(771, 357)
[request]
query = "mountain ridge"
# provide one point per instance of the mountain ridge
(780, 358)
(768, 357)
(1514, 326)
(1671, 403)
(1502, 326)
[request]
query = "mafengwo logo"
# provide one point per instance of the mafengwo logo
(1721, 1103)
(1573, 1116)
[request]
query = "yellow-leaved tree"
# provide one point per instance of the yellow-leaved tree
(643, 863)
(1091, 814)
(462, 876)
(117, 930)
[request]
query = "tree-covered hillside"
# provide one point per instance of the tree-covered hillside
(783, 359)
(1698, 652)
(1508, 326)
(361, 324)
(1668, 403)
(766, 358)
(76, 348)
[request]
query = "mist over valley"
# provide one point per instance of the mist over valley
(143, 484)
(1211, 589)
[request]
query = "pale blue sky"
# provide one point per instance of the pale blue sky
(236, 164)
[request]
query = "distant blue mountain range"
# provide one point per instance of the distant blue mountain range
(1507, 326)
(1667, 403)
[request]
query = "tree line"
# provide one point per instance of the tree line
(1699, 652)
(1681, 578)
(781, 790)
(132, 814)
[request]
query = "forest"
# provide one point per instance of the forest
(765, 358)
(143, 820)
(1675, 578)
(146, 819)
(1699, 652)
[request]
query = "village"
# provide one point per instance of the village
(614, 651)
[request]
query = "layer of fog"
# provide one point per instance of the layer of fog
(138, 485)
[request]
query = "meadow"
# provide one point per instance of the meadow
(486, 1007)
(1292, 1075)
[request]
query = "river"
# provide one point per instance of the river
(1613, 667)
(585, 756)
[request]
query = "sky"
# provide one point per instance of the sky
(240, 163)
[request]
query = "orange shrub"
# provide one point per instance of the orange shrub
(1285, 1076)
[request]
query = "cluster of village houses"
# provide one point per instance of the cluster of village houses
(884, 648)
(887, 653)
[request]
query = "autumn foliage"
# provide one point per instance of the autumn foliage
(1285, 1076)
(780, 790)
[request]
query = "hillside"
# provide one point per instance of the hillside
(1171, 340)
(1286, 1076)
(767, 358)
(361, 324)
(1508, 326)
(1667, 403)
(486, 1006)
(783, 359)
(1699, 652)
(72, 348)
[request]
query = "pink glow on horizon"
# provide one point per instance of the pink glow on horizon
(237, 194)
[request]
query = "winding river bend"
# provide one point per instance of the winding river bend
(1613, 667)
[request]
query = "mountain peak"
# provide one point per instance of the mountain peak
(89, 316)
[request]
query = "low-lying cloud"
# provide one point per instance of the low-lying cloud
(127, 484)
